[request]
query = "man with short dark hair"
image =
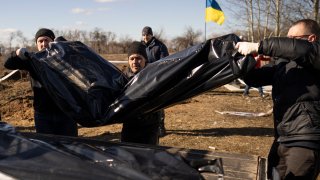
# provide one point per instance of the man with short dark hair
(295, 80)
(48, 117)
(155, 50)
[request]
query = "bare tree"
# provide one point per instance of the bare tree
(189, 38)
(259, 19)
(10, 39)
(17, 39)
(22, 40)
(97, 38)
(125, 43)
(73, 35)
(316, 9)
(159, 34)
(277, 30)
(267, 19)
(179, 43)
(192, 36)
(250, 19)
(2, 49)
(279, 15)
(109, 38)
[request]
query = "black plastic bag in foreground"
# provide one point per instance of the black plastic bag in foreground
(92, 91)
(25, 158)
(180, 76)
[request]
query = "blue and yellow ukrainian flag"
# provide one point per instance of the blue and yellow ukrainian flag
(214, 12)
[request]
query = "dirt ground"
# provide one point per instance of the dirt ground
(193, 124)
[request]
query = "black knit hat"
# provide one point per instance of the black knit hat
(147, 31)
(44, 32)
(137, 47)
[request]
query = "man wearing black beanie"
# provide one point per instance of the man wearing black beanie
(144, 129)
(48, 117)
(43, 37)
(137, 58)
(137, 48)
(44, 32)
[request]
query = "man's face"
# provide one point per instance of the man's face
(43, 42)
(136, 63)
(146, 38)
(299, 31)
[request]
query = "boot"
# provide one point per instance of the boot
(162, 129)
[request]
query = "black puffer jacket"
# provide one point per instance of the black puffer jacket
(156, 50)
(295, 77)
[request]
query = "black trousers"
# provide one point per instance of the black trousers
(143, 130)
(55, 123)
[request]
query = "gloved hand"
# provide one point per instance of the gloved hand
(22, 53)
(246, 48)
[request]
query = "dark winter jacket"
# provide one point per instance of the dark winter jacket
(42, 101)
(142, 129)
(295, 78)
(156, 50)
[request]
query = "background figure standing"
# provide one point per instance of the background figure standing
(48, 117)
(155, 50)
(294, 76)
(247, 88)
(143, 129)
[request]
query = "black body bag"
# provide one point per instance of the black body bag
(94, 92)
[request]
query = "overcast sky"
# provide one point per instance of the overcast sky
(123, 17)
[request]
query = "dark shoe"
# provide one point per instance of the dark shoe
(162, 131)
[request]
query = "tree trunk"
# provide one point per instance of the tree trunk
(316, 9)
(259, 20)
(277, 30)
(267, 19)
(250, 19)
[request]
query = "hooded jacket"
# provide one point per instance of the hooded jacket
(295, 77)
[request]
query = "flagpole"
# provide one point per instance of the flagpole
(205, 23)
(205, 31)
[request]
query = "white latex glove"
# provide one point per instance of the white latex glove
(246, 48)
(21, 53)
